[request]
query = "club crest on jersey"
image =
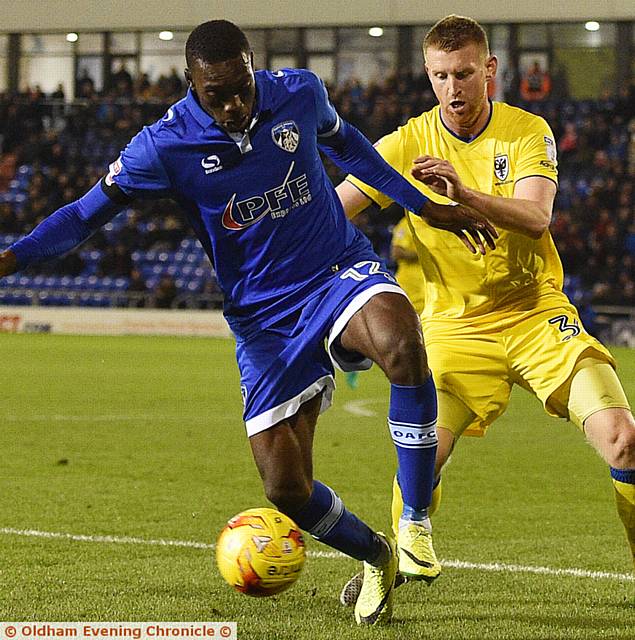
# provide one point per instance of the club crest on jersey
(286, 135)
(501, 167)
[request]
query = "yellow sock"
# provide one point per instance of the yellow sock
(397, 503)
(625, 500)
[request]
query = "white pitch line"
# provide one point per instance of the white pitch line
(51, 535)
(454, 564)
(95, 418)
(359, 407)
(517, 568)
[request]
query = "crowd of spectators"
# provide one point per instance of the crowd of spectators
(67, 147)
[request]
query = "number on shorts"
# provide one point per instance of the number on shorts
(564, 325)
(374, 268)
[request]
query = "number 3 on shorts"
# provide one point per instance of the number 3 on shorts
(564, 325)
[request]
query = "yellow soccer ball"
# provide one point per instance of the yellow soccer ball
(260, 552)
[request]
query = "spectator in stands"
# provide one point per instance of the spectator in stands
(535, 84)
(165, 293)
(85, 86)
(116, 262)
(137, 285)
(58, 94)
(121, 81)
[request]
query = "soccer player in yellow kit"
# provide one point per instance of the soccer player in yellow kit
(495, 320)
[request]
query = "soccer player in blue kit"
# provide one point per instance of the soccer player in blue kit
(240, 154)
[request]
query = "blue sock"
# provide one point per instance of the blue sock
(326, 518)
(412, 419)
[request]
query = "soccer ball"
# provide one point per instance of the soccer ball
(260, 552)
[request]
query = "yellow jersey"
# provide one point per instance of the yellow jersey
(514, 144)
(409, 274)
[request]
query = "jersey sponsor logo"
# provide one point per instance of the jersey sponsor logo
(501, 166)
(286, 135)
(564, 326)
(113, 170)
(277, 202)
(211, 164)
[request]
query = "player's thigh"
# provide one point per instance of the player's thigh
(388, 331)
(544, 349)
(472, 378)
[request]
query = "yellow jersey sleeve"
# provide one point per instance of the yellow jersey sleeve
(391, 149)
(537, 152)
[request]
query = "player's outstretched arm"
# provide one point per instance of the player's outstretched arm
(62, 231)
(473, 229)
(528, 212)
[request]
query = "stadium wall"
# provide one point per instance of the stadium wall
(48, 15)
(112, 322)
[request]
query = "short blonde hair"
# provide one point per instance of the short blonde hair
(454, 32)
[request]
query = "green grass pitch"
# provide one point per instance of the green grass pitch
(142, 438)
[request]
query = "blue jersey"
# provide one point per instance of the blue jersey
(262, 206)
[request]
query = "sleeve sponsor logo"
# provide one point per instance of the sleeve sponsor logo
(113, 170)
(550, 149)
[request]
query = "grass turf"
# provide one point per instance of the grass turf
(142, 437)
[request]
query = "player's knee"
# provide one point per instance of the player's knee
(403, 358)
(288, 496)
(622, 450)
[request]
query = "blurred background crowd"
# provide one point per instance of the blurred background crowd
(53, 150)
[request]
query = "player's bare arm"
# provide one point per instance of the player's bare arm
(474, 230)
(399, 253)
(8, 263)
(528, 212)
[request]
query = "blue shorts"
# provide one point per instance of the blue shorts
(290, 362)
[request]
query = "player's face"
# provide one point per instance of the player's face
(226, 90)
(459, 80)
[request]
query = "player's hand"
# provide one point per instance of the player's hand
(8, 263)
(440, 176)
(474, 231)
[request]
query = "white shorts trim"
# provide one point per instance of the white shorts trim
(290, 407)
(338, 356)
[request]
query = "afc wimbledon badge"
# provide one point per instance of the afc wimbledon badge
(501, 167)
(286, 136)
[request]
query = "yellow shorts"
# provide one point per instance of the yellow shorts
(476, 362)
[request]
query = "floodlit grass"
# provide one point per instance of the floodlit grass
(142, 437)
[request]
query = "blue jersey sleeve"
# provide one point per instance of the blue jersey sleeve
(351, 151)
(328, 121)
(138, 171)
(66, 228)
